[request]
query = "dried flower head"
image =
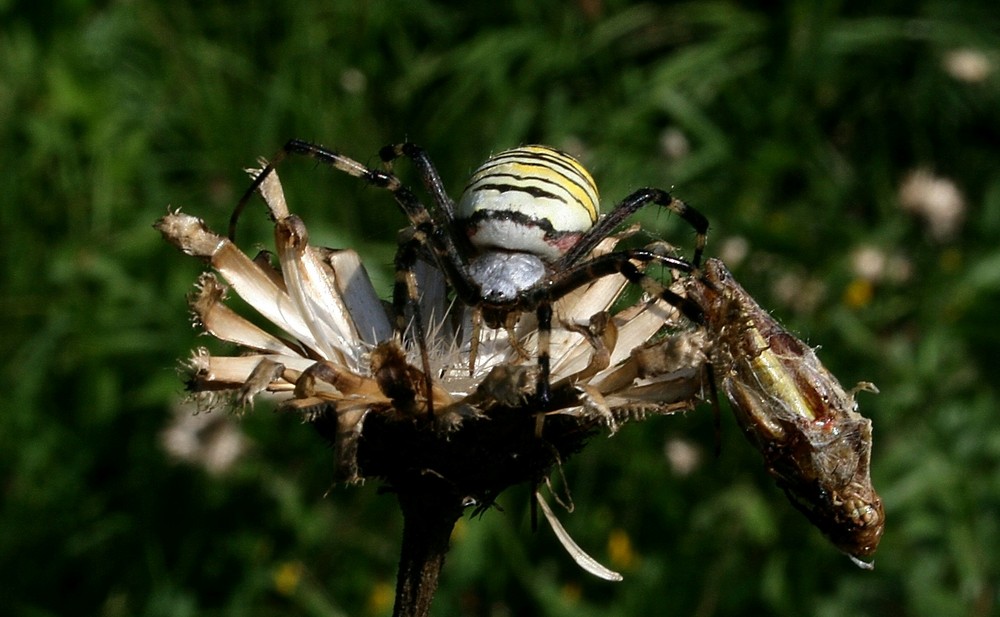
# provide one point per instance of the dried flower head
(331, 356)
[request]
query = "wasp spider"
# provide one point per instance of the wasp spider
(519, 238)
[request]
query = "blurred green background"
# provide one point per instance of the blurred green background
(845, 153)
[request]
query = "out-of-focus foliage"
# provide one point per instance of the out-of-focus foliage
(845, 154)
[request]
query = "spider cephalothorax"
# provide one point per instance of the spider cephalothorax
(520, 238)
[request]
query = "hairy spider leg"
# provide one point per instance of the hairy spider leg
(405, 292)
(629, 206)
(428, 174)
(542, 297)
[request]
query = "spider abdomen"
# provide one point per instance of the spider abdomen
(533, 199)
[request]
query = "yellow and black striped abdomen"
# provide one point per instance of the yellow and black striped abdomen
(532, 199)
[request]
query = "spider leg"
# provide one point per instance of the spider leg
(428, 173)
(321, 154)
(509, 325)
(620, 262)
(476, 330)
(405, 292)
(543, 392)
(441, 240)
(626, 208)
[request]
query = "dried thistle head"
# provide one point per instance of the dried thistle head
(331, 355)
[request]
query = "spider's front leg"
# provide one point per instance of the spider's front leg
(405, 292)
(427, 171)
(327, 157)
(629, 206)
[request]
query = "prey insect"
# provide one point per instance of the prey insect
(795, 412)
(519, 239)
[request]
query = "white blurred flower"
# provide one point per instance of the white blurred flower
(873, 264)
(211, 440)
(674, 144)
(801, 294)
(869, 262)
(353, 81)
(733, 250)
(968, 65)
(935, 199)
(684, 456)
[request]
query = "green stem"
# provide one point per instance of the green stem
(430, 509)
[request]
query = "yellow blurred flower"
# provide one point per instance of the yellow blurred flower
(287, 577)
(620, 549)
(380, 598)
(859, 293)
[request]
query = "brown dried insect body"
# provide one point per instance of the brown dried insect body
(795, 412)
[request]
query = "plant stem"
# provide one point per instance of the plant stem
(430, 509)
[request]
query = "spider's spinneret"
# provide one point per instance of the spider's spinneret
(521, 209)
